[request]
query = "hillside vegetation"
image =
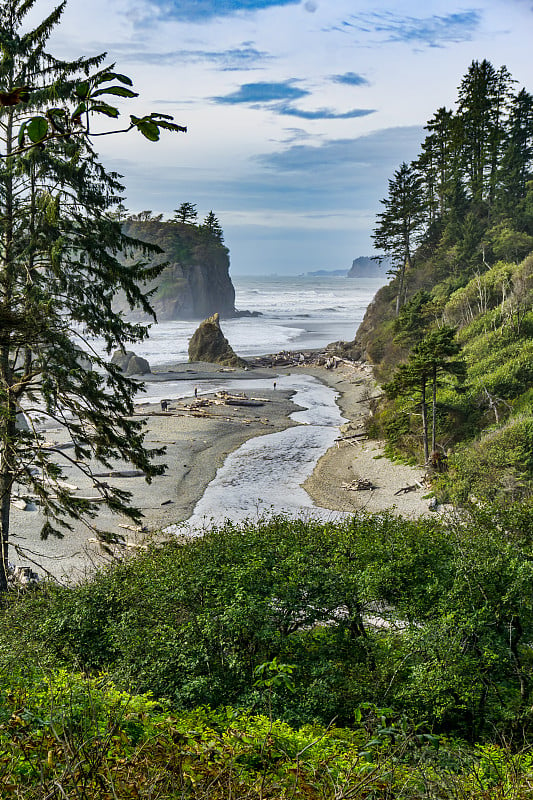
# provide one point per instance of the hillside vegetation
(377, 658)
(451, 336)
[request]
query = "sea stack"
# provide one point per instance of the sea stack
(208, 343)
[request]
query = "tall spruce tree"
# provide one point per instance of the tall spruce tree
(399, 226)
(59, 271)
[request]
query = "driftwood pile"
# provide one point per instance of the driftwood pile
(359, 485)
(288, 358)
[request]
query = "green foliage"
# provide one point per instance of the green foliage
(498, 465)
(96, 743)
(318, 625)
(306, 621)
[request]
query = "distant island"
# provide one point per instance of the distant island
(367, 267)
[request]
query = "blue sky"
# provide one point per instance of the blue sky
(298, 111)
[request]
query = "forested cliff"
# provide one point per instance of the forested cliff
(451, 335)
(196, 283)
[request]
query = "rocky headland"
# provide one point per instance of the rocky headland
(196, 282)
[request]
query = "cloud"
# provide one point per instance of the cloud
(338, 160)
(259, 93)
(237, 58)
(203, 10)
(350, 79)
(322, 113)
(266, 95)
(435, 31)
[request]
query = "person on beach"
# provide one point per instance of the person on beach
(196, 391)
(164, 405)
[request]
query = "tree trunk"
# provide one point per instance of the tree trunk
(8, 434)
(434, 412)
(8, 418)
(425, 421)
(401, 276)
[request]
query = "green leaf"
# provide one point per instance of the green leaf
(104, 108)
(114, 76)
(80, 108)
(22, 133)
(148, 129)
(82, 89)
(119, 90)
(37, 129)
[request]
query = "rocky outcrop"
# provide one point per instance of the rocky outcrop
(208, 343)
(196, 282)
(130, 363)
(366, 267)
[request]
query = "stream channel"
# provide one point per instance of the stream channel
(263, 475)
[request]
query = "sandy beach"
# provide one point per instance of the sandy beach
(197, 443)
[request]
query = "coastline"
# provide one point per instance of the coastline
(198, 442)
(357, 458)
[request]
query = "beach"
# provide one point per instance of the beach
(198, 440)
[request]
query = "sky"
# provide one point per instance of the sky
(298, 111)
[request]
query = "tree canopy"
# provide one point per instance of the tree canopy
(59, 271)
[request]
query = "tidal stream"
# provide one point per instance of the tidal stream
(264, 474)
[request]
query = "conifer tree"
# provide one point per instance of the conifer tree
(186, 214)
(59, 272)
(399, 226)
(213, 226)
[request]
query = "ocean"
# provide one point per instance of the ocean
(297, 313)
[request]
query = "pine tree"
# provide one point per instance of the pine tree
(516, 162)
(399, 226)
(59, 272)
(213, 227)
(428, 360)
(186, 214)
(484, 96)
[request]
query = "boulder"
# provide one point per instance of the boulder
(129, 363)
(208, 343)
(138, 366)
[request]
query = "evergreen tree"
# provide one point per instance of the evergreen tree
(186, 214)
(59, 272)
(437, 162)
(483, 102)
(213, 226)
(516, 162)
(428, 360)
(399, 226)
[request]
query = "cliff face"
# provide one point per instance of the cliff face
(196, 282)
(367, 267)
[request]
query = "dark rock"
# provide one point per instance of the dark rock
(129, 363)
(195, 281)
(138, 366)
(208, 343)
(121, 358)
(367, 267)
(351, 350)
